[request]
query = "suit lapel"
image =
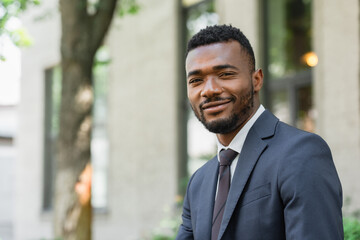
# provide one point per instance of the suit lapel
(251, 152)
(208, 188)
(247, 160)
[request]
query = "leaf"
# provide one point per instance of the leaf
(351, 229)
(11, 9)
(21, 38)
(130, 7)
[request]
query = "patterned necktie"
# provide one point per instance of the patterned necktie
(226, 157)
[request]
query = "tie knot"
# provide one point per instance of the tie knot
(227, 156)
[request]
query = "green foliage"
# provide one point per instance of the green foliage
(20, 37)
(130, 7)
(168, 228)
(351, 229)
(10, 9)
(183, 184)
(161, 237)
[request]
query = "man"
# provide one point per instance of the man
(283, 182)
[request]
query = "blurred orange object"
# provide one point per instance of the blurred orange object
(83, 186)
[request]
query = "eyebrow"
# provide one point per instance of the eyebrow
(195, 72)
(218, 67)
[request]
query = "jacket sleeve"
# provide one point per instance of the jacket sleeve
(311, 192)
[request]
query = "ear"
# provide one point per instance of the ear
(257, 79)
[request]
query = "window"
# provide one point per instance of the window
(99, 141)
(201, 143)
(195, 14)
(288, 59)
(52, 107)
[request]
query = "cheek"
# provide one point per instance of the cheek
(189, 95)
(192, 96)
(243, 88)
(192, 102)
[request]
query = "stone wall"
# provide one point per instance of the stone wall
(337, 90)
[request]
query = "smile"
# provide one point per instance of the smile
(215, 107)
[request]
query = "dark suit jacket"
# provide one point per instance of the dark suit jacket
(285, 186)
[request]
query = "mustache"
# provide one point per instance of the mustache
(215, 99)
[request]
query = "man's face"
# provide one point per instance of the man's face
(221, 86)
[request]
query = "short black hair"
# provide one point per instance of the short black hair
(222, 33)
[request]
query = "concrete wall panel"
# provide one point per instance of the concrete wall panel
(336, 41)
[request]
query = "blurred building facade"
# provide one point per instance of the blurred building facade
(7, 168)
(142, 120)
(9, 99)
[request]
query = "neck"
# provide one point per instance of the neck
(225, 139)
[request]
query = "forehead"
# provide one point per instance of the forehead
(215, 54)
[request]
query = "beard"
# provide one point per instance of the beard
(234, 121)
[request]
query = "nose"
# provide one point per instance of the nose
(211, 88)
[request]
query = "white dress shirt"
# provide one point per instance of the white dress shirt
(238, 141)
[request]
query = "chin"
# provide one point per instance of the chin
(222, 125)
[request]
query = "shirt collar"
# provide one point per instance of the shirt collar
(238, 141)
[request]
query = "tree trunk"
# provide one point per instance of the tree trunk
(82, 35)
(73, 151)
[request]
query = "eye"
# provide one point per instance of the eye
(226, 74)
(195, 80)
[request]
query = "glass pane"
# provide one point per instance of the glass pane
(52, 108)
(99, 138)
(289, 37)
(189, 3)
(281, 106)
(305, 112)
(56, 98)
(201, 143)
(200, 16)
